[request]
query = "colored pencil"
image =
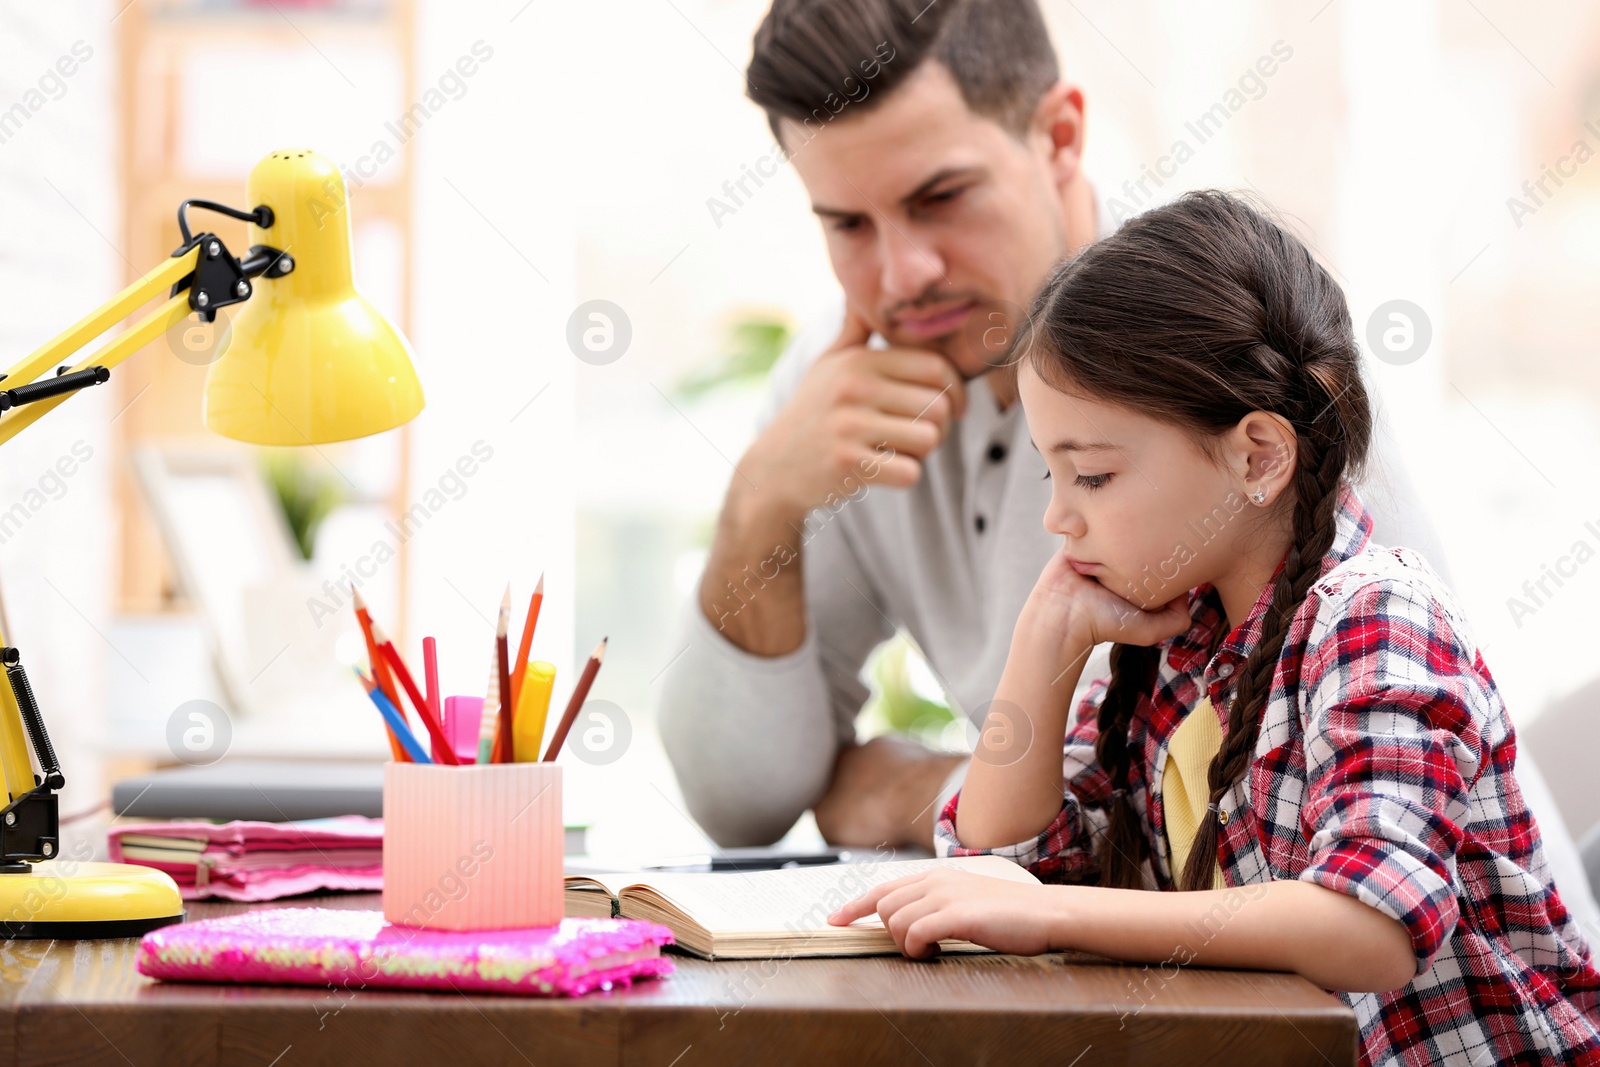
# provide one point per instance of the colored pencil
(441, 743)
(579, 695)
(491, 711)
(502, 743)
(520, 667)
(430, 680)
(391, 717)
(380, 672)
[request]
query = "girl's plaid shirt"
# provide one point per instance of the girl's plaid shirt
(1383, 769)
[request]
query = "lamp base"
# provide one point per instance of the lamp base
(69, 900)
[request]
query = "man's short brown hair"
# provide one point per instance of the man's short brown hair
(813, 58)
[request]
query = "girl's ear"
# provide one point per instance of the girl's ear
(1263, 449)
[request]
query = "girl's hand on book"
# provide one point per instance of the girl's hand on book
(924, 909)
(1073, 612)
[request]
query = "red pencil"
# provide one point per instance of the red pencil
(430, 680)
(435, 732)
(380, 674)
(579, 695)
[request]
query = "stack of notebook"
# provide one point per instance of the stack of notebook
(250, 861)
(265, 791)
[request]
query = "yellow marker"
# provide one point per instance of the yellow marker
(533, 704)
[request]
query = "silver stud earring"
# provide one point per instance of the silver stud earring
(1259, 496)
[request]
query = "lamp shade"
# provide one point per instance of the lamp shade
(310, 360)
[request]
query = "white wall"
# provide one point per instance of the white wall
(493, 283)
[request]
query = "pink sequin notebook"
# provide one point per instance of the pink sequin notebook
(359, 950)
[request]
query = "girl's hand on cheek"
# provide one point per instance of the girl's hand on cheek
(924, 909)
(1078, 612)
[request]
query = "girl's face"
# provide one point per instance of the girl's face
(1141, 508)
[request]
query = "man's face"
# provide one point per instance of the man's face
(941, 225)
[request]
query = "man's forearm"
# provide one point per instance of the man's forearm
(884, 792)
(752, 591)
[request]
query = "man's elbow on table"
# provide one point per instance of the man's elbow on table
(739, 799)
(884, 792)
(745, 822)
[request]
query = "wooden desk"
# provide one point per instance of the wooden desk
(81, 1003)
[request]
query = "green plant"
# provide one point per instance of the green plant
(751, 345)
(897, 704)
(306, 495)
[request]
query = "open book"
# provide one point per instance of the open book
(766, 914)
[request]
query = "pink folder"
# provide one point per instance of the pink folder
(356, 950)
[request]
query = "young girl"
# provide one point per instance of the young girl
(1298, 730)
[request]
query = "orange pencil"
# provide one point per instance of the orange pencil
(441, 743)
(520, 668)
(380, 674)
(579, 695)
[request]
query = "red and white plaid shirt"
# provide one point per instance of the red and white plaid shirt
(1383, 769)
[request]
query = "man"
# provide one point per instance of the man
(893, 484)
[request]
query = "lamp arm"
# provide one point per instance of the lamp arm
(202, 267)
(203, 276)
(168, 314)
(30, 827)
(101, 319)
(22, 690)
(15, 765)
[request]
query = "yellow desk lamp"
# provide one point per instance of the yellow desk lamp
(309, 361)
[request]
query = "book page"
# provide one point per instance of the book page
(611, 881)
(800, 899)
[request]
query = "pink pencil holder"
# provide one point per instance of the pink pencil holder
(472, 848)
